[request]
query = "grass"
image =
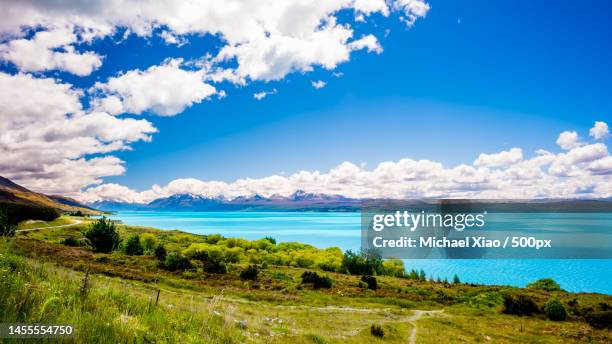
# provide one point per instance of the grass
(42, 280)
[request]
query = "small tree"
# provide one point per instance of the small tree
(103, 236)
(7, 225)
(555, 310)
(133, 246)
(175, 262)
(456, 279)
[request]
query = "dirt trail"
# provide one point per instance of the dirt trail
(414, 318)
(76, 222)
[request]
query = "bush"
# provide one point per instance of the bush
(600, 319)
(547, 284)
(133, 247)
(377, 331)
(370, 281)
(456, 280)
(176, 262)
(519, 305)
(103, 236)
(250, 273)
(316, 280)
(160, 252)
(555, 310)
(70, 241)
(149, 243)
(366, 262)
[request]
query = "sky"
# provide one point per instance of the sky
(366, 98)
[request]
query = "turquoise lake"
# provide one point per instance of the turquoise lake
(343, 230)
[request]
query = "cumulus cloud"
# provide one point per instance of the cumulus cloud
(318, 84)
(50, 50)
(49, 143)
(266, 38)
(600, 131)
(165, 90)
(583, 171)
(568, 140)
(503, 158)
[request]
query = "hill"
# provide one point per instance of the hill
(11, 192)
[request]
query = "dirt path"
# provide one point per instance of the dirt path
(414, 318)
(76, 222)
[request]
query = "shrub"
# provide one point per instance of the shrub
(393, 267)
(366, 262)
(456, 279)
(249, 273)
(176, 262)
(519, 305)
(370, 281)
(160, 252)
(377, 331)
(317, 280)
(555, 310)
(103, 236)
(271, 240)
(71, 241)
(133, 247)
(600, 319)
(149, 243)
(547, 284)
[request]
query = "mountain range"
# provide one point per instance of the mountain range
(298, 201)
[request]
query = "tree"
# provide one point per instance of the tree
(7, 225)
(555, 310)
(133, 246)
(366, 262)
(103, 236)
(175, 262)
(456, 279)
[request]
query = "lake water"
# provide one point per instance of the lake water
(343, 230)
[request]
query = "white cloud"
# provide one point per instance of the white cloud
(503, 159)
(369, 42)
(165, 90)
(261, 95)
(318, 84)
(600, 131)
(583, 171)
(266, 38)
(47, 141)
(49, 50)
(568, 140)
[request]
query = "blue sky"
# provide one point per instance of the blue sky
(469, 77)
(476, 76)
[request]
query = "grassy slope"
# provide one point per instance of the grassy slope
(199, 307)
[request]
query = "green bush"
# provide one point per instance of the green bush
(600, 319)
(71, 241)
(317, 280)
(176, 262)
(249, 273)
(377, 331)
(133, 246)
(456, 279)
(160, 252)
(547, 284)
(103, 236)
(519, 305)
(370, 281)
(555, 310)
